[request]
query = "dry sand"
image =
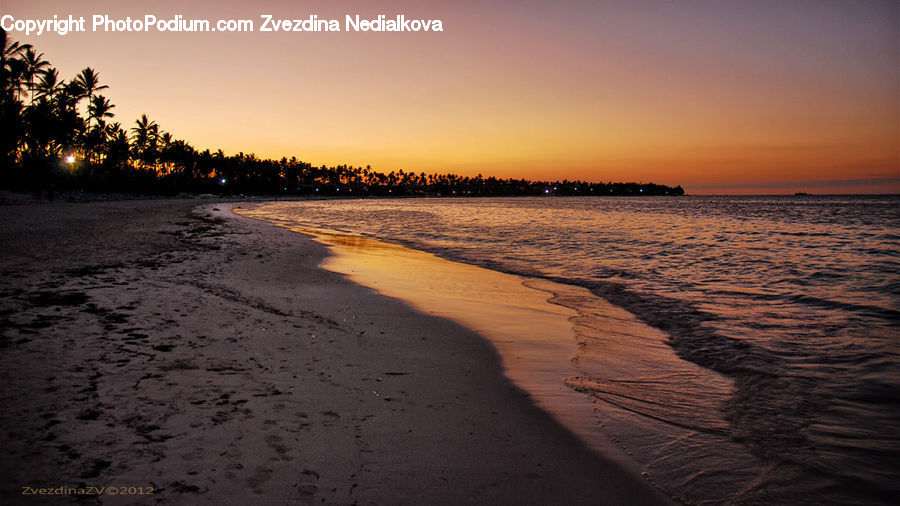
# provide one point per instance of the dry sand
(206, 357)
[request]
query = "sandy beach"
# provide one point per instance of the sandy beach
(185, 355)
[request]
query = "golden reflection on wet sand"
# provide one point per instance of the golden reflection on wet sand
(593, 366)
(535, 339)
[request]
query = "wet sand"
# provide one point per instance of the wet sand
(206, 357)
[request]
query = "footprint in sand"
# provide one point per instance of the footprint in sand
(274, 442)
(330, 417)
(260, 476)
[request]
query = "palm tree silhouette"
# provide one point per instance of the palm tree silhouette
(32, 65)
(89, 82)
(69, 96)
(166, 139)
(145, 138)
(10, 48)
(11, 66)
(48, 85)
(95, 138)
(99, 109)
(142, 130)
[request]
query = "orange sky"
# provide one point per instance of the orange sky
(718, 96)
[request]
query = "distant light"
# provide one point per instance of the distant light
(547, 190)
(554, 187)
(642, 190)
(337, 189)
(317, 189)
(223, 180)
(70, 159)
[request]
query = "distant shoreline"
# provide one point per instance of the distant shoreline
(15, 198)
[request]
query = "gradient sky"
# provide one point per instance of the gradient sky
(720, 96)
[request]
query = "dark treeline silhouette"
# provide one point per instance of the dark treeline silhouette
(59, 135)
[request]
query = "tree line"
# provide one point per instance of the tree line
(60, 135)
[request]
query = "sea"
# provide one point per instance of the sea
(780, 315)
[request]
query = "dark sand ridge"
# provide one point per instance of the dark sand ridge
(146, 344)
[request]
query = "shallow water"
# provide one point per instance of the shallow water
(779, 315)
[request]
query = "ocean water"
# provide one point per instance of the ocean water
(780, 317)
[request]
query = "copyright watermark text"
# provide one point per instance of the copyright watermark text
(178, 23)
(64, 490)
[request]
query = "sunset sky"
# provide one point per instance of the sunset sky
(720, 96)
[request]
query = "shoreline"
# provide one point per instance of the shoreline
(149, 343)
(527, 321)
(594, 367)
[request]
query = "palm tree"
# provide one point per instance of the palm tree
(142, 130)
(10, 49)
(48, 85)
(99, 109)
(166, 139)
(11, 107)
(153, 137)
(89, 81)
(94, 139)
(113, 129)
(11, 65)
(117, 148)
(67, 98)
(145, 133)
(32, 65)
